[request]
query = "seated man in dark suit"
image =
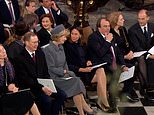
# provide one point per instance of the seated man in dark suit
(28, 68)
(9, 14)
(142, 38)
(101, 48)
(50, 7)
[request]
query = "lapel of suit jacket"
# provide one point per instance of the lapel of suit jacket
(150, 31)
(28, 57)
(54, 13)
(46, 33)
(140, 34)
(101, 39)
(16, 10)
(42, 10)
(5, 8)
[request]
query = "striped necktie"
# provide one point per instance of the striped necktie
(11, 12)
(114, 64)
(33, 57)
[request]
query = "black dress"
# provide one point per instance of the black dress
(76, 58)
(13, 103)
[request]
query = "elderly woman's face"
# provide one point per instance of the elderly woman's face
(46, 23)
(3, 54)
(75, 35)
(62, 39)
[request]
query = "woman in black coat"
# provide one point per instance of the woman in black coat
(44, 34)
(120, 34)
(78, 62)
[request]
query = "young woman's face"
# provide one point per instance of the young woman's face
(32, 7)
(75, 35)
(46, 23)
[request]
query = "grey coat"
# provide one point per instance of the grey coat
(56, 62)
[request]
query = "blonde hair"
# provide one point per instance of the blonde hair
(56, 37)
(113, 18)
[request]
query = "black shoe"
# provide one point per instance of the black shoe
(134, 95)
(149, 96)
(131, 99)
(102, 107)
(151, 99)
(142, 92)
(128, 98)
(112, 110)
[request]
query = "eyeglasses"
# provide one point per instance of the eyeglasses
(36, 42)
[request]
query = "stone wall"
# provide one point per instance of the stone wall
(112, 5)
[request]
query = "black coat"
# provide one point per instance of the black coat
(43, 36)
(2, 34)
(99, 50)
(27, 71)
(76, 58)
(137, 38)
(14, 49)
(140, 43)
(124, 44)
(5, 16)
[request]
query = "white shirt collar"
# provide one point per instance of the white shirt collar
(30, 53)
(142, 27)
(7, 3)
(103, 35)
(46, 10)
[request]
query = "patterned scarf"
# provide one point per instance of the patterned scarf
(10, 73)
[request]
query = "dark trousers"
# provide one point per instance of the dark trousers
(150, 73)
(50, 105)
(142, 75)
(128, 86)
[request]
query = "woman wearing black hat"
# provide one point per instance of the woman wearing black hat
(15, 44)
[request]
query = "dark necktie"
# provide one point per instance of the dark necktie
(33, 57)
(50, 12)
(145, 32)
(11, 12)
(114, 64)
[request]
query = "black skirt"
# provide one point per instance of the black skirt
(17, 103)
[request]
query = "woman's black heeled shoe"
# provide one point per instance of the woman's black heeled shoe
(103, 107)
